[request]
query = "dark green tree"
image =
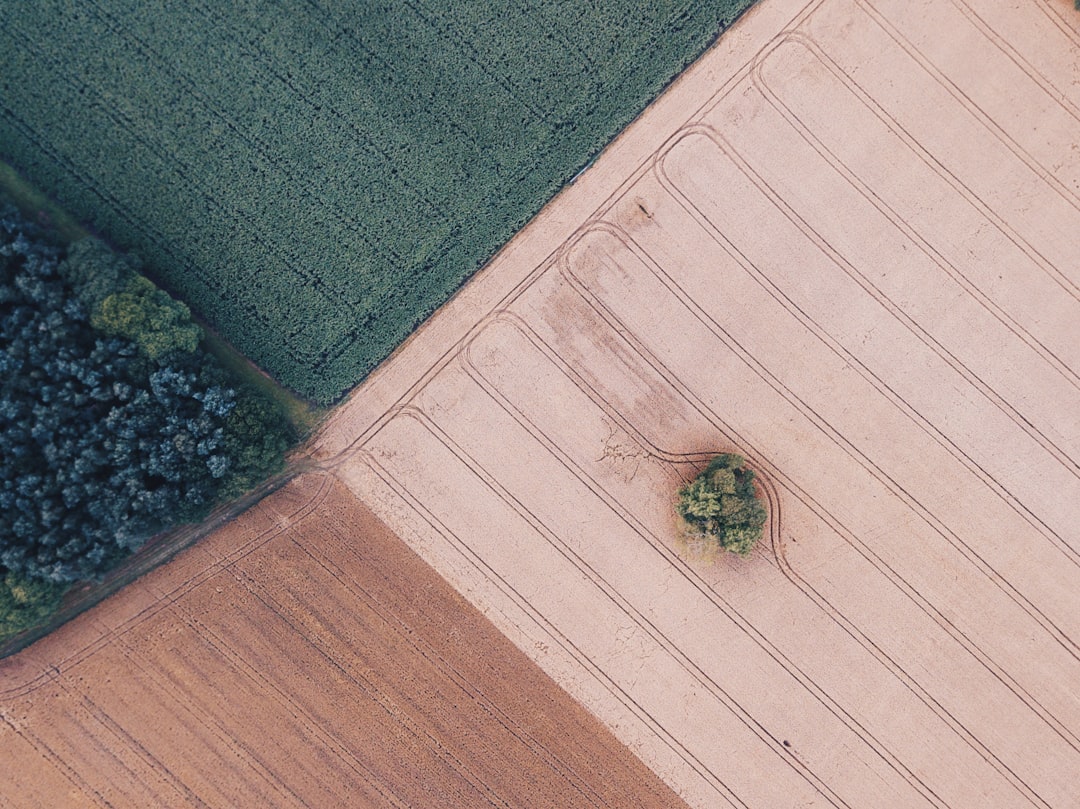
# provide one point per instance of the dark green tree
(95, 272)
(255, 439)
(107, 436)
(720, 505)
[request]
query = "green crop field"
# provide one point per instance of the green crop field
(315, 177)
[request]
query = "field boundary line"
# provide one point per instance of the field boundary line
(388, 386)
(183, 171)
(556, 636)
(79, 177)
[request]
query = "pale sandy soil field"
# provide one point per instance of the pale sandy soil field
(302, 656)
(845, 244)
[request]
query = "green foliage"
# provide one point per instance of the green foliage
(25, 602)
(104, 441)
(123, 303)
(720, 504)
(155, 322)
(95, 272)
(317, 177)
(257, 434)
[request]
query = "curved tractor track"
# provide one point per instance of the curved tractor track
(843, 244)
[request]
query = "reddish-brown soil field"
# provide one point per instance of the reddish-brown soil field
(301, 656)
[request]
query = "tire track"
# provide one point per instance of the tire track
(568, 647)
(57, 761)
(621, 511)
(83, 702)
(208, 719)
(732, 438)
(973, 108)
(877, 201)
(1018, 59)
(1068, 28)
(1067, 284)
(425, 650)
(898, 401)
(311, 725)
(761, 462)
(362, 683)
(702, 677)
(184, 172)
(912, 593)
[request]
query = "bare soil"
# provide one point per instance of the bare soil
(845, 244)
(301, 656)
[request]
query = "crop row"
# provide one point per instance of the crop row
(316, 177)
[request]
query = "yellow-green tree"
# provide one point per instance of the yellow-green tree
(156, 322)
(720, 505)
(26, 602)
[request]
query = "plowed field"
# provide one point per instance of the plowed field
(301, 656)
(847, 245)
(844, 244)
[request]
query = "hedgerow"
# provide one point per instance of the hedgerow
(316, 177)
(109, 431)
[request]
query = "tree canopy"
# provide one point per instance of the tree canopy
(25, 603)
(114, 424)
(720, 505)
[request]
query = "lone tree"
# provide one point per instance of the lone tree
(720, 505)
